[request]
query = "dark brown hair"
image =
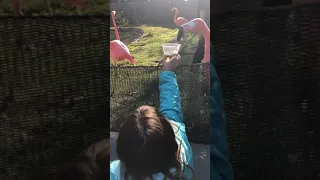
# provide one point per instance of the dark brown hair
(91, 164)
(147, 145)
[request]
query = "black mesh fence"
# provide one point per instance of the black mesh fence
(54, 91)
(268, 63)
(132, 87)
(54, 87)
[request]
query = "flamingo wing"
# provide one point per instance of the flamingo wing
(126, 53)
(118, 50)
(123, 46)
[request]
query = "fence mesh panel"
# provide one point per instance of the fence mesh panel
(268, 63)
(54, 87)
(132, 87)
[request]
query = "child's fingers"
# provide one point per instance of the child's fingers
(177, 60)
(176, 57)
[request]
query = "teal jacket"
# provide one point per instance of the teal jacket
(170, 106)
(220, 167)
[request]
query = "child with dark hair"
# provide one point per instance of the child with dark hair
(153, 145)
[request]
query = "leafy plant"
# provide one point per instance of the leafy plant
(121, 19)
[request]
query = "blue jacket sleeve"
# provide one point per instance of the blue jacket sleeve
(170, 101)
(221, 168)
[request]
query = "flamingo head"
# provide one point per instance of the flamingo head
(113, 13)
(195, 25)
(132, 60)
(174, 9)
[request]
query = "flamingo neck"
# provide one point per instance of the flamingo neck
(16, 7)
(206, 35)
(115, 27)
(175, 14)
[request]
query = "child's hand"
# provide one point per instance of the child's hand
(172, 64)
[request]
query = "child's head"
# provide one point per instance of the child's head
(91, 164)
(147, 145)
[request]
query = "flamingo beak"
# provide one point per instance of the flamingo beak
(133, 61)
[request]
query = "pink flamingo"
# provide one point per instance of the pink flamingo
(179, 21)
(118, 50)
(197, 25)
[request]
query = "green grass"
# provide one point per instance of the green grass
(147, 49)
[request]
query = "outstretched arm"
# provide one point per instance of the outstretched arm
(170, 101)
(221, 168)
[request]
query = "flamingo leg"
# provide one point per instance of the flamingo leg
(115, 65)
(16, 6)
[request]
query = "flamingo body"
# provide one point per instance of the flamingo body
(179, 21)
(197, 25)
(118, 50)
